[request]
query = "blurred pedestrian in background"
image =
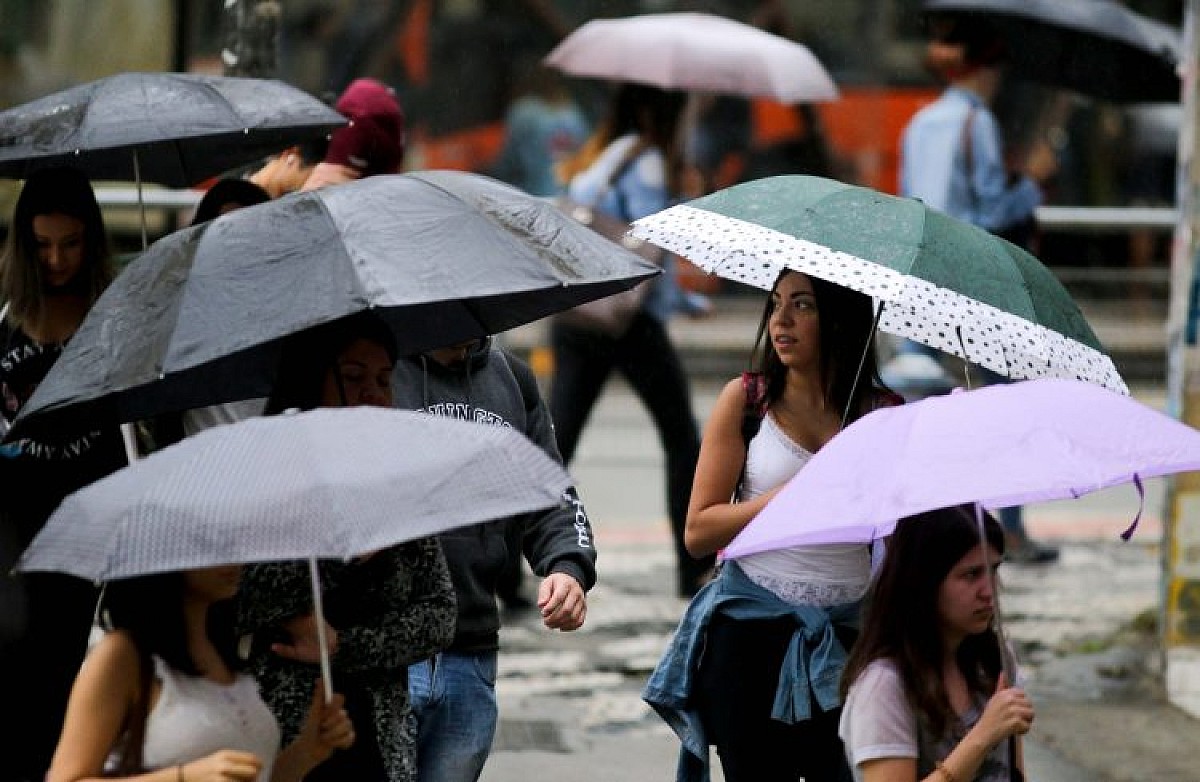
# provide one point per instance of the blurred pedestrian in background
(373, 142)
(164, 691)
(55, 264)
(454, 692)
(773, 628)
(543, 127)
(629, 168)
(387, 609)
(952, 158)
(926, 696)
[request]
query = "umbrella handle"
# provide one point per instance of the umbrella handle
(1009, 665)
(137, 177)
(319, 617)
(862, 361)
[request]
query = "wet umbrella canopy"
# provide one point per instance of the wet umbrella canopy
(328, 483)
(942, 282)
(442, 256)
(1000, 446)
(177, 129)
(1095, 47)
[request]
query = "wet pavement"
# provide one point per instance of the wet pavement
(570, 703)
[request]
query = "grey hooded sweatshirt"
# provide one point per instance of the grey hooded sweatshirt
(492, 386)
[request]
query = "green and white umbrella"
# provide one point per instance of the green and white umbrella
(937, 280)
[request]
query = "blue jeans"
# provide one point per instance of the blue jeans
(454, 702)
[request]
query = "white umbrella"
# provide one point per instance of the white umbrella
(329, 483)
(695, 52)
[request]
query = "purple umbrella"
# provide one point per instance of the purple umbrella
(998, 446)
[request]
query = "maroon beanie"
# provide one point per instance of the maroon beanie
(373, 142)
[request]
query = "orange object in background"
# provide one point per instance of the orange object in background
(862, 127)
(470, 149)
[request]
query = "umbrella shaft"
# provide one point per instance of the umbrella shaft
(319, 618)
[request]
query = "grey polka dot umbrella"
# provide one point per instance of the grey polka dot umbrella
(939, 281)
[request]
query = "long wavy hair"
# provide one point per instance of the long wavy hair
(901, 621)
(150, 610)
(651, 112)
(847, 330)
(50, 191)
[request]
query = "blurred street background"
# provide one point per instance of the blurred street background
(1087, 628)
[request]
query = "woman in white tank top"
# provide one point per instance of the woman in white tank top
(161, 696)
(817, 368)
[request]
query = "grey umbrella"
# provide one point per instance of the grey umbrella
(329, 483)
(442, 256)
(1095, 47)
(175, 129)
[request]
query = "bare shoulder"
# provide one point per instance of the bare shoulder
(732, 396)
(115, 656)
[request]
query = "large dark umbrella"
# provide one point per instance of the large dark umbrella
(443, 256)
(174, 129)
(1095, 47)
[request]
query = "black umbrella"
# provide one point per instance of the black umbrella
(1095, 47)
(442, 256)
(174, 129)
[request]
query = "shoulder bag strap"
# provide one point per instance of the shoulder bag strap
(633, 153)
(969, 157)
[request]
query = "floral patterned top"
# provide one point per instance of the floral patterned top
(390, 609)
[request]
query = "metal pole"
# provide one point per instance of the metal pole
(1180, 614)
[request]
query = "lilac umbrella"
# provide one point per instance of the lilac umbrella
(999, 446)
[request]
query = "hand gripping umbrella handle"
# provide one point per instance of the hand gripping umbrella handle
(319, 617)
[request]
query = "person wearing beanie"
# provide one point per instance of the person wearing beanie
(373, 141)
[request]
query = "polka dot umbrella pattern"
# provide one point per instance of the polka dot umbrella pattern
(939, 281)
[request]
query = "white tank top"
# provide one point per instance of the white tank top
(194, 717)
(802, 575)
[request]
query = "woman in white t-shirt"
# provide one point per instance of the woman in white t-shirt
(161, 697)
(925, 693)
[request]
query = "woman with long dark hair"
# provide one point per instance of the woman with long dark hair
(630, 168)
(926, 698)
(163, 694)
(754, 666)
(55, 264)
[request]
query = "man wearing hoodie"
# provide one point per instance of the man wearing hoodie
(453, 694)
